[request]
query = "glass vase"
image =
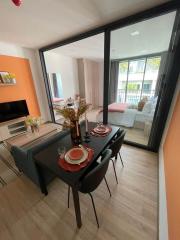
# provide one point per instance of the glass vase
(75, 132)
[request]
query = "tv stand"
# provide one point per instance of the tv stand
(12, 128)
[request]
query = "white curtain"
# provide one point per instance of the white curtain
(93, 76)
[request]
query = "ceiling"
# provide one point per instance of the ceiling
(147, 37)
(38, 23)
(91, 48)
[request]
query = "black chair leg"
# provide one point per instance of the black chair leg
(107, 186)
(69, 188)
(114, 171)
(94, 209)
(121, 159)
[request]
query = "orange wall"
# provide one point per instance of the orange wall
(172, 173)
(24, 88)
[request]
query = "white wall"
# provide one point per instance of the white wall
(163, 221)
(68, 68)
(33, 56)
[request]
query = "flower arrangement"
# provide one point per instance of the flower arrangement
(33, 122)
(73, 113)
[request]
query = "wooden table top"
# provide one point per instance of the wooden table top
(29, 137)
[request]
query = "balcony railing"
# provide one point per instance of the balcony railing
(133, 96)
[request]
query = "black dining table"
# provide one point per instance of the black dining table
(48, 158)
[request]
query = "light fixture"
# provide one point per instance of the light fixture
(17, 2)
(135, 33)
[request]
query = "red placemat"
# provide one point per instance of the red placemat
(96, 134)
(76, 167)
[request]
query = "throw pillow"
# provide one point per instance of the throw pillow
(142, 103)
(147, 107)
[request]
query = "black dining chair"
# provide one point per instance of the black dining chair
(119, 132)
(94, 177)
(115, 146)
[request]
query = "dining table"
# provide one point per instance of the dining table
(48, 158)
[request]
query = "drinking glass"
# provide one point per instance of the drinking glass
(99, 124)
(61, 151)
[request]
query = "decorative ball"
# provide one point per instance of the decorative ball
(17, 2)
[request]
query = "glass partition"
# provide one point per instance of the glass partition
(77, 70)
(137, 58)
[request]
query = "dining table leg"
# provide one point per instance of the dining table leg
(77, 206)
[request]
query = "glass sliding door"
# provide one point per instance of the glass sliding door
(122, 81)
(137, 79)
(76, 70)
(138, 54)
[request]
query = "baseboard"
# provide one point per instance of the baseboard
(163, 221)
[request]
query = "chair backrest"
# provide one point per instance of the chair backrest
(93, 178)
(117, 143)
(119, 132)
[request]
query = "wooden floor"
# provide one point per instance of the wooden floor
(130, 214)
(132, 134)
(136, 135)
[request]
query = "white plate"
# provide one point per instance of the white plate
(96, 130)
(84, 157)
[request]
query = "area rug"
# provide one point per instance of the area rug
(8, 169)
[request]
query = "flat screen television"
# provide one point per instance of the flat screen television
(13, 110)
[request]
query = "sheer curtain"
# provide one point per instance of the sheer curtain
(93, 75)
(113, 85)
(56, 85)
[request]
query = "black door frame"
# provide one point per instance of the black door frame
(106, 29)
(169, 82)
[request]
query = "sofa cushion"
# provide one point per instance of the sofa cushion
(23, 157)
(45, 142)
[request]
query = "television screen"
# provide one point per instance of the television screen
(13, 110)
